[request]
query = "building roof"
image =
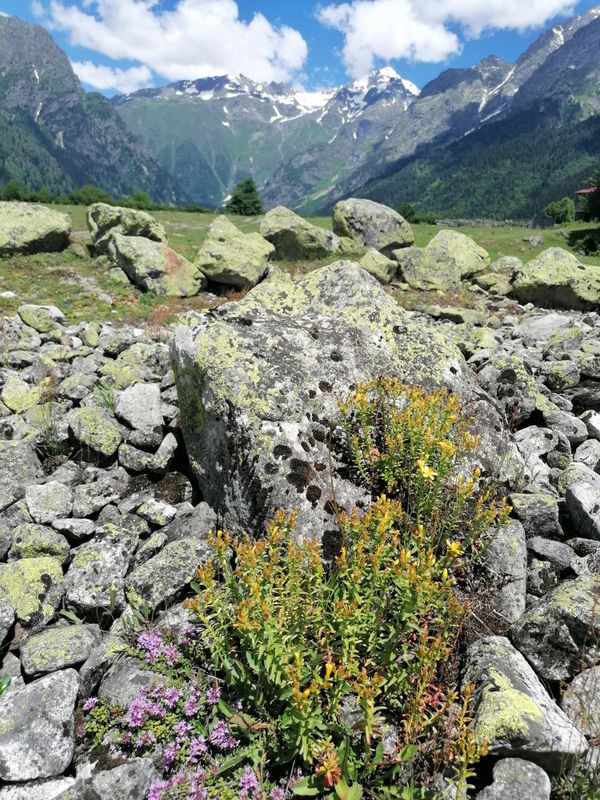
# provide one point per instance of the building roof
(586, 191)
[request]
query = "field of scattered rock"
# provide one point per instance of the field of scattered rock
(122, 445)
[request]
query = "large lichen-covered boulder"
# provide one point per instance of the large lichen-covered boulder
(559, 634)
(448, 258)
(379, 265)
(259, 382)
(31, 228)
(232, 257)
(295, 237)
(557, 279)
(154, 266)
(513, 712)
(103, 221)
(372, 224)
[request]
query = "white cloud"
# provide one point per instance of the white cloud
(4, 14)
(104, 78)
(420, 29)
(195, 39)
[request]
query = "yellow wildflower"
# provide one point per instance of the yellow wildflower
(426, 471)
(454, 548)
(448, 448)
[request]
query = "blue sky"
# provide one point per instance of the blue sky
(121, 45)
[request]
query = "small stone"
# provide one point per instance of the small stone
(512, 710)
(58, 647)
(125, 680)
(18, 395)
(157, 513)
(43, 319)
(581, 702)
(558, 554)
(592, 423)
(90, 498)
(75, 529)
(95, 579)
(34, 587)
(562, 422)
(31, 540)
(515, 778)
(40, 790)
(94, 431)
(37, 728)
(559, 634)
(562, 375)
(582, 503)
(130, 781)
(506, 559)
(165, 575)
(588, 453)
(140, 407)
(7, 619)
(538, 513)
(49, 501)
(542, 576)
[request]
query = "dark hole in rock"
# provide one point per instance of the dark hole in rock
(271, 469)
(325, 387)
(312, 394)
(305, 446)
(336, 356)
(282, 451)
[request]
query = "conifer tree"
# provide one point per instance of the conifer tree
(245, 200)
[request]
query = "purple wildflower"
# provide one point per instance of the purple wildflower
(249, 781)
(277, 793)
(152, 643)
(90, 703)
(145, 739)
(172, 697)
(137, 713)
(213, 695)
(197, 748)
(170, 755)
(191, 705)
(188, 632)
(182, 728)
(171, 654)
(156, 790)
(221, 737)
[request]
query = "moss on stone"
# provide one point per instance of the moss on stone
(31, 586)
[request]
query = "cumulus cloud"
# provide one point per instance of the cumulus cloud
(194, 39)
(421, 30)
(104, 78)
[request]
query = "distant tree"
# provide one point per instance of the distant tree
(13, 190)
(245, 200)
(593, 199)
(561, 211)
(407, 210)
(87, 195)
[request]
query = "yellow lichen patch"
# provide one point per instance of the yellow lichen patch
(504, 711)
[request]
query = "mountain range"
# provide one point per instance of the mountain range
(497, 139)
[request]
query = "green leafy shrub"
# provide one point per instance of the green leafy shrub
(561, 211)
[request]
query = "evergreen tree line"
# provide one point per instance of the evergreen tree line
(245, 199)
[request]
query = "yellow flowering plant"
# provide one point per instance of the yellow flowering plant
(325, 655)
(414, 445)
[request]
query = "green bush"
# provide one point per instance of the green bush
(561, 211)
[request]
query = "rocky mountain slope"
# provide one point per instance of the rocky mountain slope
(213, 132)
(53, 134)
(210, 133)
